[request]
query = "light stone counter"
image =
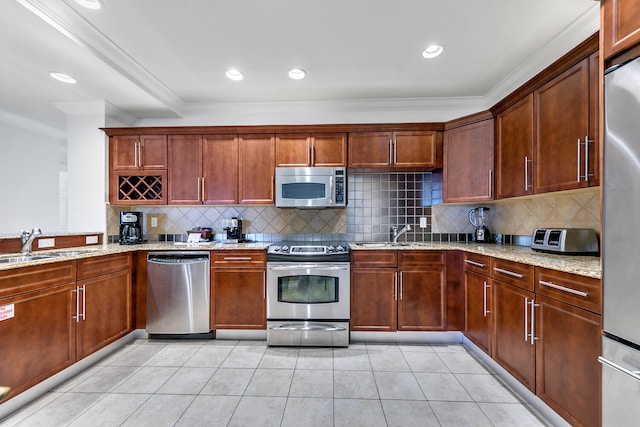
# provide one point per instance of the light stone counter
(589, 266)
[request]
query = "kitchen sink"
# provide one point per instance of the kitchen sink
(24, 258)
(61, 254)
(374, 245)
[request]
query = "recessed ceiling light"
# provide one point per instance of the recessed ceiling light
(297, 73)
(234, 74)
(90, 4)
(63, 78)
(432, 51)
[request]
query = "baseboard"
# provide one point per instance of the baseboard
(401, 337)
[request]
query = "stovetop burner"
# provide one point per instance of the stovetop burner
(308, 251)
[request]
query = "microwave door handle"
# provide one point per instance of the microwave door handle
(331, 195)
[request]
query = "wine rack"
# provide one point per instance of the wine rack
(139, 189)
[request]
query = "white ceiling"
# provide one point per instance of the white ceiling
(155, 59)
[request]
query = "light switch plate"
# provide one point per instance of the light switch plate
(91, 240)
(46, 243)
(154, 221)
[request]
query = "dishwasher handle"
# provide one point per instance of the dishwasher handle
(178, 258)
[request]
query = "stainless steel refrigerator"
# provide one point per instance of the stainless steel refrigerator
(621, 247)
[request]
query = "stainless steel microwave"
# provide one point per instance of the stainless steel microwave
(311, 188)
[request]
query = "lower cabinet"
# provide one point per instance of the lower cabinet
(238, 290)
(478, 300)
(398, 290)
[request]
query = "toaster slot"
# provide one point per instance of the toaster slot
(538, 237)
(554, 238)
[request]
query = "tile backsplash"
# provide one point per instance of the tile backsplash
(376, 202)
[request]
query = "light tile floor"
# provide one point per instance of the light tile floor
(246, 383)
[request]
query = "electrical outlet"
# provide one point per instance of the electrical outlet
(154, 221)
(423, 222)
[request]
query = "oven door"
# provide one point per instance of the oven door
(308, 291)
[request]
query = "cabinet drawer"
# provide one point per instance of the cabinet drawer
(581, 291)
(514, 273)
(238, 258)
(21, 280)
(96, 266)
(475, 262)
(374, 258)
(418, 258)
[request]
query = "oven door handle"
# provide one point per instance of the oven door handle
(306, 266)
(307, 327)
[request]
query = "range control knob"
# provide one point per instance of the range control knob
(285, 248)
(340, 249)
(275, 248)
(330, 248)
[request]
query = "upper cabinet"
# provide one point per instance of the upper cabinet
(414, 149)
(307, 150)
(256, 169)
(565, 154)
(138, 152)
(185, 169)
(620, 25)
(468, 163)
(514, 150)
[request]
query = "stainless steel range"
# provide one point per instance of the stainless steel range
(308, 294)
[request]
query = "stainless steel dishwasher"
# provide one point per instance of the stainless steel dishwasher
(178, 294)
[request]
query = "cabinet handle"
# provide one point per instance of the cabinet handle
(313, 152)
(563, 288)
(135, 154)
(507, 272)
(526, 173)
(198, 190)
(477, 264)
(533, 321)
(579, 161)
(395, 151)
(526, 319)
(395, 286)
(309, 163)
(400, 286)
(390, 151)
(77, 292)
(139, 154)
(484, 307)
(586, 158)
(491, 183)
(84, 301)
(203, 189)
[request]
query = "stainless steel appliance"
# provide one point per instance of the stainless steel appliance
(568, 241)
(233, 229)
(479, 218)
(311, 187)
(308, 294)
(620, 236)
(178, 294)
(130, 228)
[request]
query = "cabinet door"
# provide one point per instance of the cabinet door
(257, 168)
(329, 150)
(593, 159)
(123, 152)
(568, 372)
(238, 298)
(105, 311)
(562, 123)
(620, 25)
(468, 163)
(153, 154)
(220, 169)
(514, 150)
(373, 299)
(293, 150)
(477, 326)
(185, 169)
(422, 299)
(39, 339)
(415, 149)
(511, 346)
(370, 149)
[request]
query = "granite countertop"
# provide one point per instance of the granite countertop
(588, 266)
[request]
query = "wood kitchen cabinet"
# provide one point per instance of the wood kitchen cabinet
(185, 169)
(513, 295)
(398, 290)
(138, 152)
(256, 169)
(220, 159)
(417, 149)
(478, 300)
(563, 120)
(104, 298)
(468, 163)
(514, 150)
(39, 340)
(620, 26)
(238, 290)
(309, 150)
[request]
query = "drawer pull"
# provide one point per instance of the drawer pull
(477, 264)
(510, 273)
(237, 258)
(564, 289)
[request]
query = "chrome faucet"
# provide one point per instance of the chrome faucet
(27, 239)
(397, 233)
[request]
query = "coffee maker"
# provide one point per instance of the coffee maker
(479, 217)
(233, 227)
(130, 228)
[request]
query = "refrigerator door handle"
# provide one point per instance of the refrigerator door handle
(634, 374)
